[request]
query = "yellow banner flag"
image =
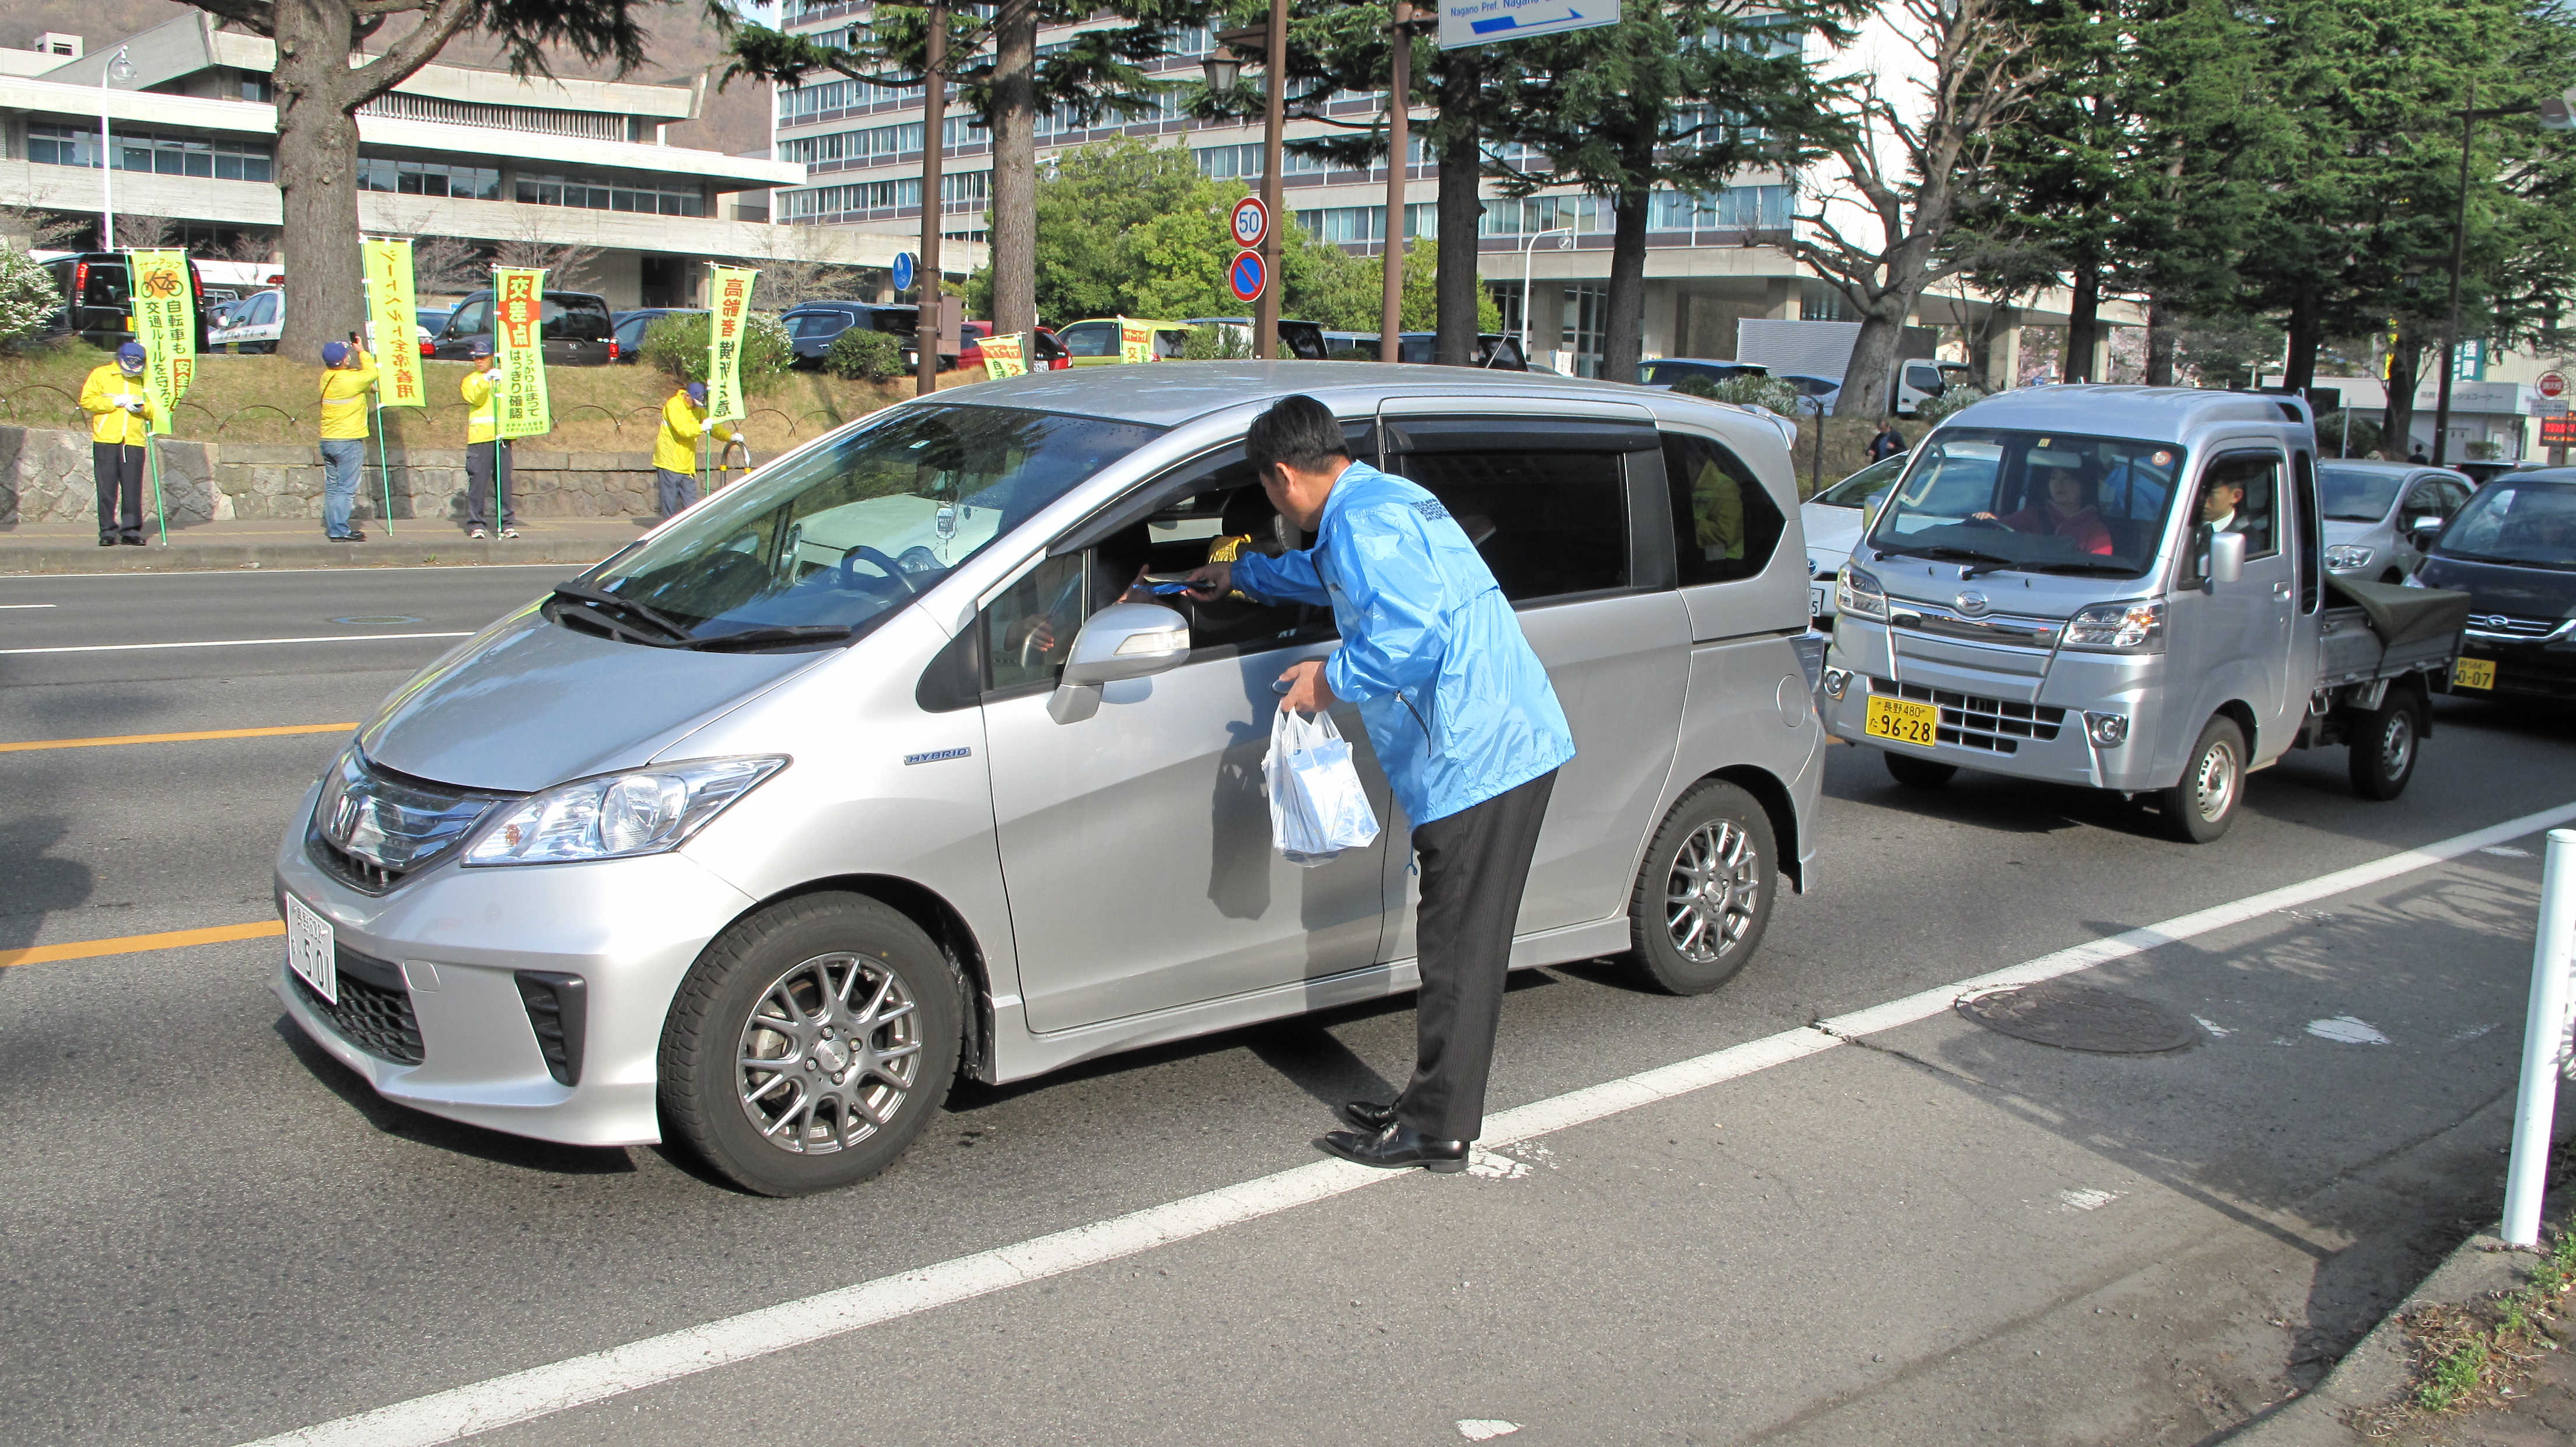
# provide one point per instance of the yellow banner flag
(1135, 341)
(391, 321)
(518, 349)
(165, 322)
(1006, 356)
(729, 288)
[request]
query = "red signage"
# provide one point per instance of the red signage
(2553, 384)
(2559, 431)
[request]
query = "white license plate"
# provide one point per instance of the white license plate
(310, 951)
(1816, 603)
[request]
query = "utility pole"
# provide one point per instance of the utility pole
(926, 330)
(2470, 115)
(1274, 126)
(1399, 108)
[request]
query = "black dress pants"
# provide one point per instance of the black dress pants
(118, 467)
(1475, 864)
(482, 460)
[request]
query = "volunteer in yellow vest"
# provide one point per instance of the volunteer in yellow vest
(487, 455)
(118, 408)
(348, 375)
(675, 455)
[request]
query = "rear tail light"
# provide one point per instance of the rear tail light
(612, 349)
(80, 282)
(428, 349)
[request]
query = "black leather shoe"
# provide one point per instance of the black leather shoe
(107, 542)
(1367, 1116)
(131, 542)
(1395, 1148)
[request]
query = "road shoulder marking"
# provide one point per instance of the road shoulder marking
(35, 745)
(228, 643)
(135, 944)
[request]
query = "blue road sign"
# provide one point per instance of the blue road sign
(1247, 276)
(1476, 22)
(903, 271)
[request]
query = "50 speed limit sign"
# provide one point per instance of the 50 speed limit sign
(1251, 223)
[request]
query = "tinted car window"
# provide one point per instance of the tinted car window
(1090, 341)
(2259, 474)
(472, 317)
(1725, 525)
(2357, 494)
(1854, 491)
(1548, 523)
(2530, 524)
(805, 326)
(569, 316)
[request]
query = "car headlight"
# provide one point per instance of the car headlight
(2349, 555)
(1859, 594)
(2137, 627)
(618, 816)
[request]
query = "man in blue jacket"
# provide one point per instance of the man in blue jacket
(1465, 724)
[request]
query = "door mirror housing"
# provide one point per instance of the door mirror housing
(2226, 557)
(1121, 641)
(2422, 531)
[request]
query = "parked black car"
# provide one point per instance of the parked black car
(575, 326)
(1672, 371)
(98, 299)
(812, 326)
(631, 326)
(2512, 549)
(1498, 350)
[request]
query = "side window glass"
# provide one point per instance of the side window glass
(1029, 629)
(471, 318)
(1088, 341)
(1725, 525)
(1547, 523)
(2240, 493)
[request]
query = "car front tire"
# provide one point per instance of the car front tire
(2201, 807)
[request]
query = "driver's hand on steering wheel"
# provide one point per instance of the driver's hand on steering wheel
(1983, 517)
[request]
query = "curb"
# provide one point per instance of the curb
(2374, 1372)
(231, 557)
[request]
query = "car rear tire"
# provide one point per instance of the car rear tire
(810, 1044)
(2384, 745)
(2201, 807)
(1704, 897)
(1916, 773)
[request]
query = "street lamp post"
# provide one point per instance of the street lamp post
(117, 68)
(1565, 244)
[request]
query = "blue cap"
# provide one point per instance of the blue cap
(482, 346)
(130, 356)
(334, 353)
(698, 393)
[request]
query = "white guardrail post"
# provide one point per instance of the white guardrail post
(2544, 1042)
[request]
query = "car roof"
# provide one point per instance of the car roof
(2541, 474)
(1168, 394)
(2160, 414)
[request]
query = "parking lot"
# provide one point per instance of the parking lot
(1816, 1206)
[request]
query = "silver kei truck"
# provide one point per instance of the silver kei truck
(2124, 588)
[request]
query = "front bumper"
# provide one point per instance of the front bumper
(2026, 727)
(449, 943)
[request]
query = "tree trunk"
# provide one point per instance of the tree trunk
(1623, 339)
(2083, 319)
(2404, 369)
(1015, 168)
(2299, 371)
(1460, 210)
(2160, 343)
(317, 180)
(1869, 377)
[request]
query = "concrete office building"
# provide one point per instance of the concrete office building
(1711, 259)
(474, 154)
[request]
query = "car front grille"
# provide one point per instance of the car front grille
(1993, 724)
(372, 828)
(2506, 625)
(374, 1010)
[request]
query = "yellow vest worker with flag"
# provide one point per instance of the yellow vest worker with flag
(675, 457)
(348, 375)
(487, 456)
(119, 410)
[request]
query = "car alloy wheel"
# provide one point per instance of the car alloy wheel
(1709, 900)
(829, 1053)
(1703, 893)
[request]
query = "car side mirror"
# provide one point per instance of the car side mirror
(2421, 531)
(2226, 557)
(1121, 641)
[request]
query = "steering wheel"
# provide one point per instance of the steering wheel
(1996, 523)
(888, 566)
(919, 559)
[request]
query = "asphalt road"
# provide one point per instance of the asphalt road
(211, 1233)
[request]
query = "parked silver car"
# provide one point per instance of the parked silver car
(858, 775)
(1832, 521)
(2380, 516)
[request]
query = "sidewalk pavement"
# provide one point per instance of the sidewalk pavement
(298, 543)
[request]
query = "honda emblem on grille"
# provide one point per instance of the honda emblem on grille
(1972, 603)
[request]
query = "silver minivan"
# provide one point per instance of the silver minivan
(859, 775)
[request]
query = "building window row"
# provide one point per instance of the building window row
(1357, 225)
(1736, 208)
(225, 160)
(1225, 163)
(960, 188)
(428, 178)
(589, 125)
(809, 103)
(877, 144)
(601, 194)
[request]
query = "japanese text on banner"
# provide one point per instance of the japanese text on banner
(1135, 341)
(1006, 356)
(390, 324)
(518, 349)
(165, 322)
(731, 288)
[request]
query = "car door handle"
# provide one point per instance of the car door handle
(2280, 590)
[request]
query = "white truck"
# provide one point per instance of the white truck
(1823, 349)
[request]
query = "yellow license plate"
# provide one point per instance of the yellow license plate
(1903, 720)
(2474, 673)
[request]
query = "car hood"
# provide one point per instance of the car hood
(1829, 530)
(2502, 588)
(2029, 595)
(527, 704)
(2339, 530)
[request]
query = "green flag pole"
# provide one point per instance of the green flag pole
(152, 456)
(384, 468)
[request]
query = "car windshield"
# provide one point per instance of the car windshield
(829, 543)
(2532, 524)
(2032, 501)
(1854, 491)
(2356, 494)
(817, 324)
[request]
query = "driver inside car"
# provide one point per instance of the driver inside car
(2068, 513)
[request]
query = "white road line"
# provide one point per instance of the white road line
(230, 643)
(4, 607)
(484, 1406)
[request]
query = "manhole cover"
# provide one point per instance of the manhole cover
(2079, 1017)
(365, 618)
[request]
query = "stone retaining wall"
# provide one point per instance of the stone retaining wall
(45, 477)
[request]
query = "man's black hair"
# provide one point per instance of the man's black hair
(1297, 430)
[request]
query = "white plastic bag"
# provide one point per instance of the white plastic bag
(1317, 807)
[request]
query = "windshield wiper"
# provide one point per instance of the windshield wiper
(609, 604)
(2083, 570)
(767, 634)
(1943, 553)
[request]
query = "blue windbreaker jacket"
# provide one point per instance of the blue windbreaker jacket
(1457, 705)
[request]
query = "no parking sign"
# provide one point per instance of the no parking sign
(1247, 276)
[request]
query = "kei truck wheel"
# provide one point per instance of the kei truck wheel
(2385, 742)
(2200, 808)
(1704, 896)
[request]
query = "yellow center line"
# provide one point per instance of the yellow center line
(334, 728)
(135, 944)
